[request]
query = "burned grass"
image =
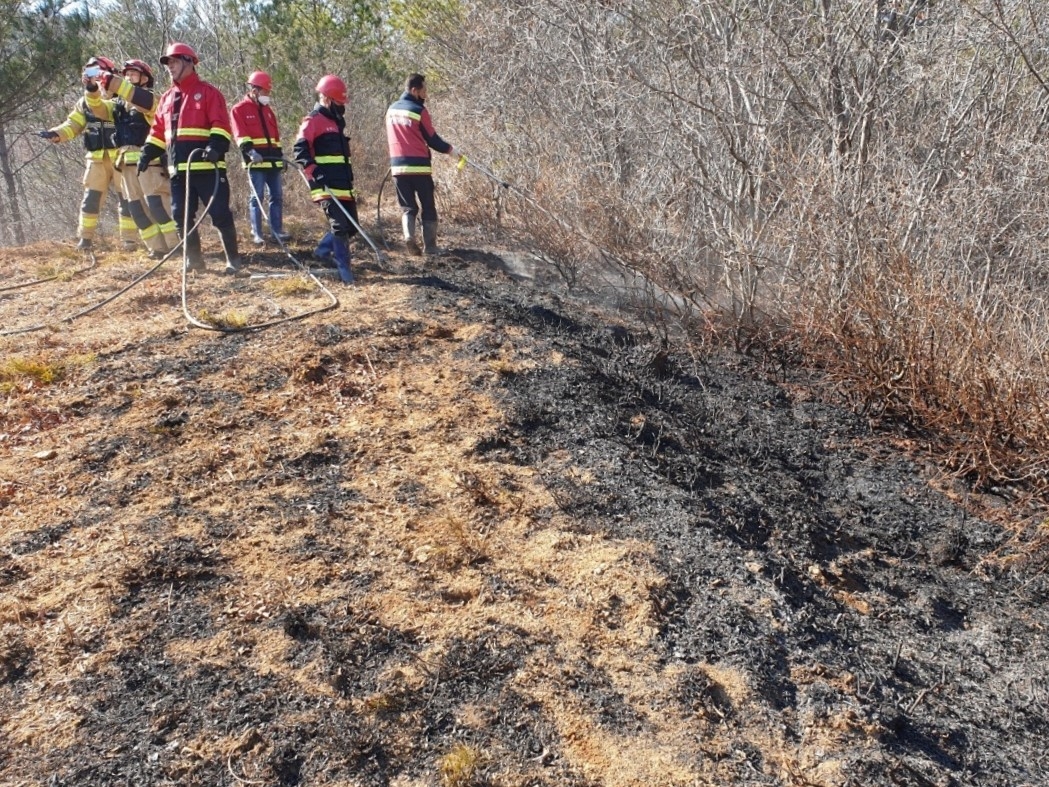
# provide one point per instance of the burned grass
(462, 531)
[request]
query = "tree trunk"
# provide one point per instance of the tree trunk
(10, 215)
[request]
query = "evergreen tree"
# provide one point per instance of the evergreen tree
(39, 41)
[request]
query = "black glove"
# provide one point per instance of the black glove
(212, 155)
(317, 177)
(47, 134)
(146, 155)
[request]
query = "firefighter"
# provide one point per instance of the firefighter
(323, 150)
(155, 183)
(256, 133)
(192, 126)
(410, 136)
(127, 101)
(99, 174)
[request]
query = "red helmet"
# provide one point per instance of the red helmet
(179, 50)
(104, 63)
(334, 88)
(139, 66)
(261, 80)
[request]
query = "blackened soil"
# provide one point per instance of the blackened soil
(813, 611)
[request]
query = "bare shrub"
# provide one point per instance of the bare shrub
(865, 181)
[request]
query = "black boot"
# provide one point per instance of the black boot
(229, 246)
(194, 257)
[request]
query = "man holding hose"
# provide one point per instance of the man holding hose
(192, 125)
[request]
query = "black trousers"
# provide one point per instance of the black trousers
(410, 187)
(201, 184)
(340, 225)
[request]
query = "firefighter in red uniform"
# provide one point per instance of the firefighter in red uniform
(256, 133)
(192, 126)
(99, 174)
(323, 150)
(410, 136)
(130, 108)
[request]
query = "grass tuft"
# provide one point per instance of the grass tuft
(293, 285)
(40, 371)
(233, 320)
(460, 766)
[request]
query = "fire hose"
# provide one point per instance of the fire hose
(356, 224)
(333, 302)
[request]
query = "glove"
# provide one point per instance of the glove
(48, 134)
(255, 156)
(212, 155)
(462, 163)
(146, 155)
(317, 177)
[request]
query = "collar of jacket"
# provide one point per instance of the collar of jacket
(406, 96)
(326, 111)
(188, 82)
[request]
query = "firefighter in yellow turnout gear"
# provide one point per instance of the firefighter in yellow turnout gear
(101, 153)
(128, 102)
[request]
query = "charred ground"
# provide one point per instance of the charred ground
(465, 530)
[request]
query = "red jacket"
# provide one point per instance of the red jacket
(203, 120)
(323, 150)
(410, 135)
(255, 128)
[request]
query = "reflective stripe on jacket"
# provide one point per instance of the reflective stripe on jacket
(131, 108)
(98, 134)
(191, 115)
(410, 136)
(255, 128)
(322, 147)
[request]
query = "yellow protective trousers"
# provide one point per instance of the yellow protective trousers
(99, 177)
(148, 229)
(156, 187)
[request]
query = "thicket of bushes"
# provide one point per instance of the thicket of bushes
(864, 184)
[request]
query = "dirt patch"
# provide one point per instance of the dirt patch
(465, 531)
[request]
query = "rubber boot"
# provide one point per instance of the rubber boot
(171, 239)
(194, 257)
(126, 222)
(255, 219)
(342, 258)
(430, 238)
(154, 242)
(325, 249)
(277, 220)
(408, 225)
(234, 263)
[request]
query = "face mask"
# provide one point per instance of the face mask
(264, 100)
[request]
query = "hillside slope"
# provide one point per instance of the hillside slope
(462, 531)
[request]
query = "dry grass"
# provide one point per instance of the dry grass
(290, 286)
(233, 320)
(43, 369)
(37, 370)
(373, 418)
(460, 766)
